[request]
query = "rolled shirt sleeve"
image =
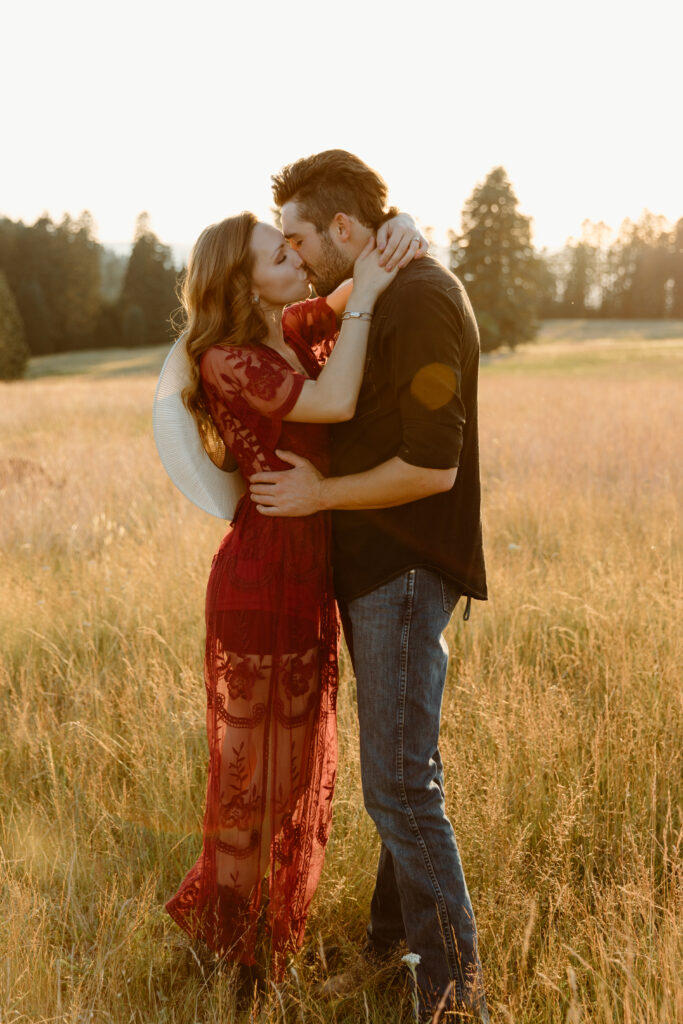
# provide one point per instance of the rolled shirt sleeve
(426, 374)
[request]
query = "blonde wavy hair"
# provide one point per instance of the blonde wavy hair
(218, 310)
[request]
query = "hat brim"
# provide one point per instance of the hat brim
(179, 445)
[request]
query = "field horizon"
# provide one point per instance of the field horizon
(562, 724)
(557, 334)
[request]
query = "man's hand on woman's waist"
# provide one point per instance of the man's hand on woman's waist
(303, 490)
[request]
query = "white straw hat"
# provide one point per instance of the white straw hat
(179, 444)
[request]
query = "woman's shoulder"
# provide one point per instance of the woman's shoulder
(218, 356)
(243, 369)
(310, 320)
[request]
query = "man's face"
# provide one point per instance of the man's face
(326, 264)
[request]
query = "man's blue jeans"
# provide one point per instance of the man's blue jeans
(394, 635)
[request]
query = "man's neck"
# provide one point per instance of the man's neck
(359, 239)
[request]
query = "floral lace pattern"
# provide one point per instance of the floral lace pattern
(270, 669)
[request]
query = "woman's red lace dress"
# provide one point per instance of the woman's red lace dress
(270, 669)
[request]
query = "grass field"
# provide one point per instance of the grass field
(562, 722)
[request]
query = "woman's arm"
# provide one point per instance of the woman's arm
(332, 397)
(337, 299)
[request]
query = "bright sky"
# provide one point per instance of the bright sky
(184, 110)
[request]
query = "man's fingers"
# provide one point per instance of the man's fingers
(413, 248)
(382, 237)
(291, 457)
(265, 496)
(389, 250)
(267, 477)
(265, 511)
(273, 476)
(402, 256)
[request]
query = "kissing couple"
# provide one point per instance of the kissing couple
(351, 419)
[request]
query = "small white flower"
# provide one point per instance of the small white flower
(412, 960)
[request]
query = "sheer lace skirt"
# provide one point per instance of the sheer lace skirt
(271, 685)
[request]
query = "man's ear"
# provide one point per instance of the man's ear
(341, 227)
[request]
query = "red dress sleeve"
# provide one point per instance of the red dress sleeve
(251, 375)
(313, 323)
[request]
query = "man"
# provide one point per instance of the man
(406, 546)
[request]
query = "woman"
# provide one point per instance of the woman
(267, 377)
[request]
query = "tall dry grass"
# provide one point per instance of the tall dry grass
(562, 722)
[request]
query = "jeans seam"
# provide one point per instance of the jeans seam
(442, 909)
(444, 599)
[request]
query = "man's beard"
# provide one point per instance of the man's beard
(334, 268)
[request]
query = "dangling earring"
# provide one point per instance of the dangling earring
(255, 300)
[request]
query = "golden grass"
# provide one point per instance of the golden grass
(562, 723)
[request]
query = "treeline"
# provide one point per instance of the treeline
(637, 274)
(61, 290)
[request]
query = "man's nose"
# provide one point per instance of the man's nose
(298, 262)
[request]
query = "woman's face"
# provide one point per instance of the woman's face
(278, 276)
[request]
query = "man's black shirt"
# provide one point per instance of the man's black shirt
(418, 401)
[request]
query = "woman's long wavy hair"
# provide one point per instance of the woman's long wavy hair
(217, 303)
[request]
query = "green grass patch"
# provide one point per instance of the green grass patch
(99, 363)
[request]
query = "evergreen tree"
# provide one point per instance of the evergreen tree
(579, 279)
(53, 270)
(148, 296)
(112, 273)
(39, 324)
(495, 259)
(640, 264)
(78, 300)
(676, 268)
(24, 258)
(40, 271)
(586, 265)
(134, 332)
(108, 329)
(547, 284)
(14, 351)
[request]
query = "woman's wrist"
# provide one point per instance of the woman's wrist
(361, 300)
(356, 314)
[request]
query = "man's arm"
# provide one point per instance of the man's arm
(301, 491)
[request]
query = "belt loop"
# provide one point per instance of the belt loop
(466, 615)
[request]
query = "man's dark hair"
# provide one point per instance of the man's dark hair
(333, 182)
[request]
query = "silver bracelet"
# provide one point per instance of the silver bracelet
(348, 315)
